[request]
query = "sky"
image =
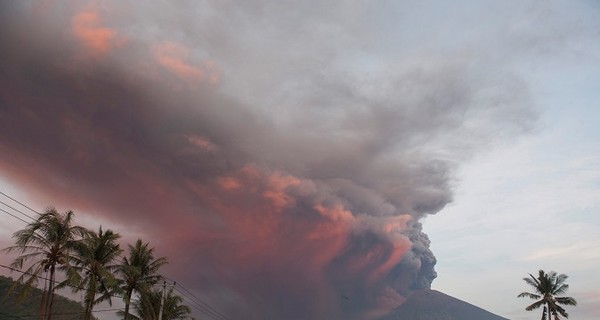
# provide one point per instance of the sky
(316, 161)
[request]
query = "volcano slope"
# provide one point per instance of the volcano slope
(434, 305)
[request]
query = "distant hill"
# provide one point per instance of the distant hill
(63, 309)
(434, 305)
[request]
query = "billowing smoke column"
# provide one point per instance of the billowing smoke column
(281, 181)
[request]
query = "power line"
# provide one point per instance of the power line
(17, 210)
(196, 302)
(200, 301)
(19, 202)
(12, 215)
(199, 305)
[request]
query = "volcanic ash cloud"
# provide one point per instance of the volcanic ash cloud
(281, 184)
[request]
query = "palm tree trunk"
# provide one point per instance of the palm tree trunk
(42, 305)
(544, 313)
(50, 294)
(89, 298)
(43, 302)
(127, 302)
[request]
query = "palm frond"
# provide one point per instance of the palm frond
(535, 305)
(560, 310)
(529, 295)
(568, 301)
(533, 282)
(560, 289)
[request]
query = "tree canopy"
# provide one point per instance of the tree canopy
(88, 261)
(548, 288)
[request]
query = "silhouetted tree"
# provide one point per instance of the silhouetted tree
(49, 242)
(147, 306)
(139, 271)
(547, 287)
(94, 262)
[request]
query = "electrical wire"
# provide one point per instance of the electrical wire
(199, 305)
(12, 215)
(17, 210)
(199, 301)
(19, 202)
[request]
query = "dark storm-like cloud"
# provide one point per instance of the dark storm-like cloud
(282, 174)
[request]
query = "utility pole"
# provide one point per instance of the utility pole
(162, 300)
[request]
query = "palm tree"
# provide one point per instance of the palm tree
(547, 287)
(49, 242)
(94, 261)
(139, 271)
(147, 306)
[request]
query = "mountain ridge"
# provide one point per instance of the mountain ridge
(430, 304)
(29, 308)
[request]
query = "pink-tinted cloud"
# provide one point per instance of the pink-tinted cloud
(229, 183)
(266, 211)
(201, 143)
(174, 57)
(98, 40)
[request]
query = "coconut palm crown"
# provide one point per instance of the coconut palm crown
(548, 288)
(96, 264)
(139, 271)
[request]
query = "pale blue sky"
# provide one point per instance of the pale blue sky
(534, 201)
(529, 204)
